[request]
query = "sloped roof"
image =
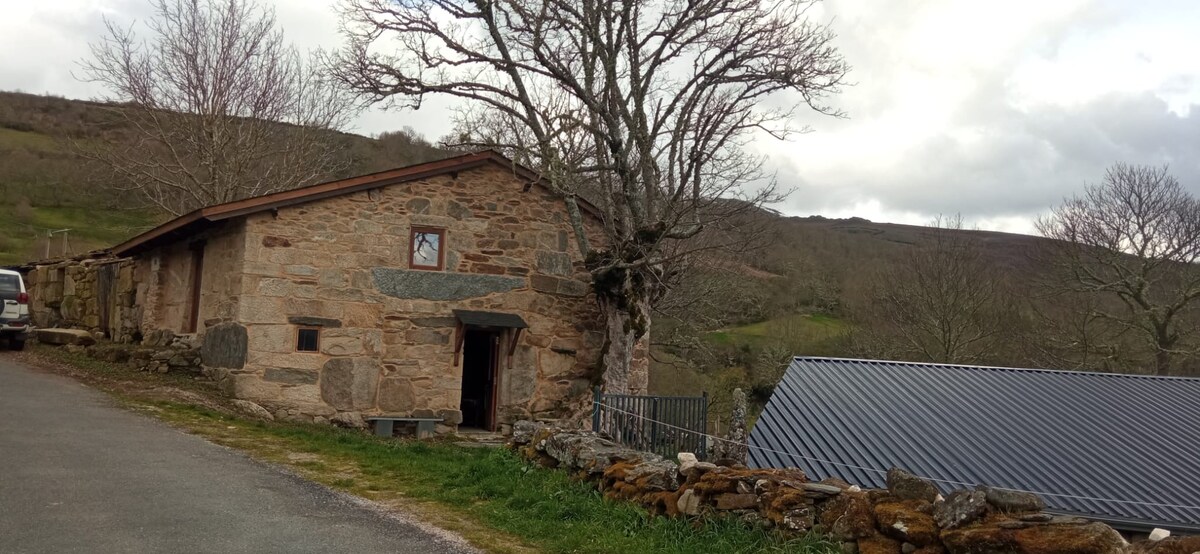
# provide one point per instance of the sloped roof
(1123, 449)
(491, 319)
(188, 224)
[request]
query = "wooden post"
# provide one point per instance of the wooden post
(460, 335)
(596, 399)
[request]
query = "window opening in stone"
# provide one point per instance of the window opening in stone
(425, 248)
(308, 339)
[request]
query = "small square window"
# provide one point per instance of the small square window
(425, 248)
(308, 339)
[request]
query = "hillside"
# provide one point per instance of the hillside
(809, 293)
(809, 288)
(46, 186)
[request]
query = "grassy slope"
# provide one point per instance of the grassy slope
(45, 185)
(799, 334)
(38, 170)
(489, 496)
(90, 229)
(805, 333)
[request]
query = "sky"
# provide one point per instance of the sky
(992, 110)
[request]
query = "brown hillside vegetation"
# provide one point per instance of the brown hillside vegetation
(821, 296)
(46, 185)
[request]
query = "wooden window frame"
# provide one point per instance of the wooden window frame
(441, 253)
(296, 343)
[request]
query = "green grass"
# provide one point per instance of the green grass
(743, 357)
(32, 141)
(490, 496)
(543, 508)
(91, 228)
(797, 330)
(54, 184)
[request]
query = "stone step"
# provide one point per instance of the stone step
(64, 336)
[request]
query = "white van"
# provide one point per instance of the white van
(14, 317)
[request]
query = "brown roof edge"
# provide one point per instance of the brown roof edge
(157, 232)
(328, 189)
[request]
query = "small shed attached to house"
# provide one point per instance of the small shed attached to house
(1122, 449)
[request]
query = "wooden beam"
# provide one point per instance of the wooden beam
(460, 335)
(512, 346)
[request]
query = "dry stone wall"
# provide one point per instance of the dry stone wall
(909, 517)
(97, 295)
(160, 352)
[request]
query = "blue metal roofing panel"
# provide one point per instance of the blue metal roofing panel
(1118, 448)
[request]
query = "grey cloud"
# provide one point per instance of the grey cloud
(993, 158)
(1028, 162)
(1022, 161)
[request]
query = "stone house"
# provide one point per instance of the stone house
(447, 289)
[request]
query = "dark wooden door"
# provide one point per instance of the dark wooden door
(193, 320)
(493, 382)
(479, 378)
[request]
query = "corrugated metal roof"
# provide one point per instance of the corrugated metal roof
(1125, 438)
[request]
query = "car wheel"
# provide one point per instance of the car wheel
(17, 345)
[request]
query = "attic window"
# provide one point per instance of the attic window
(308, 339)
(425, 248)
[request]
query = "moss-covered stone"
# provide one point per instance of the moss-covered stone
(848, 516)
(878, 544)
(907, 486)
(1001, 536)
(1169, 545)
(907, 521)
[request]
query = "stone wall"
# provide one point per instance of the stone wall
(222, 273)
(387, 332)
(126, 299)
(909, 517)
(98, 295)
(164, 276)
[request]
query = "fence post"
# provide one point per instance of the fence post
(596, 409)
(654, 424)
(704, 425)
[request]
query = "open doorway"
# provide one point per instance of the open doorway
(479, 377)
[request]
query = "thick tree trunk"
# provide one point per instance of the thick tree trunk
(1164, 344)
(625, 295)
(1162, 362)
(624, 328)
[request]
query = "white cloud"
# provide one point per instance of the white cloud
(995, 110)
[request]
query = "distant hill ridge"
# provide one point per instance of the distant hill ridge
(52, 201)
(46, 187)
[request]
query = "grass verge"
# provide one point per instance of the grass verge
(491, 497)
(805, 332)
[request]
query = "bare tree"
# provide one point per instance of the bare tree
(945, 303)
(641, 107)
(1067, 333)
(218, 105)
(1133, 238)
